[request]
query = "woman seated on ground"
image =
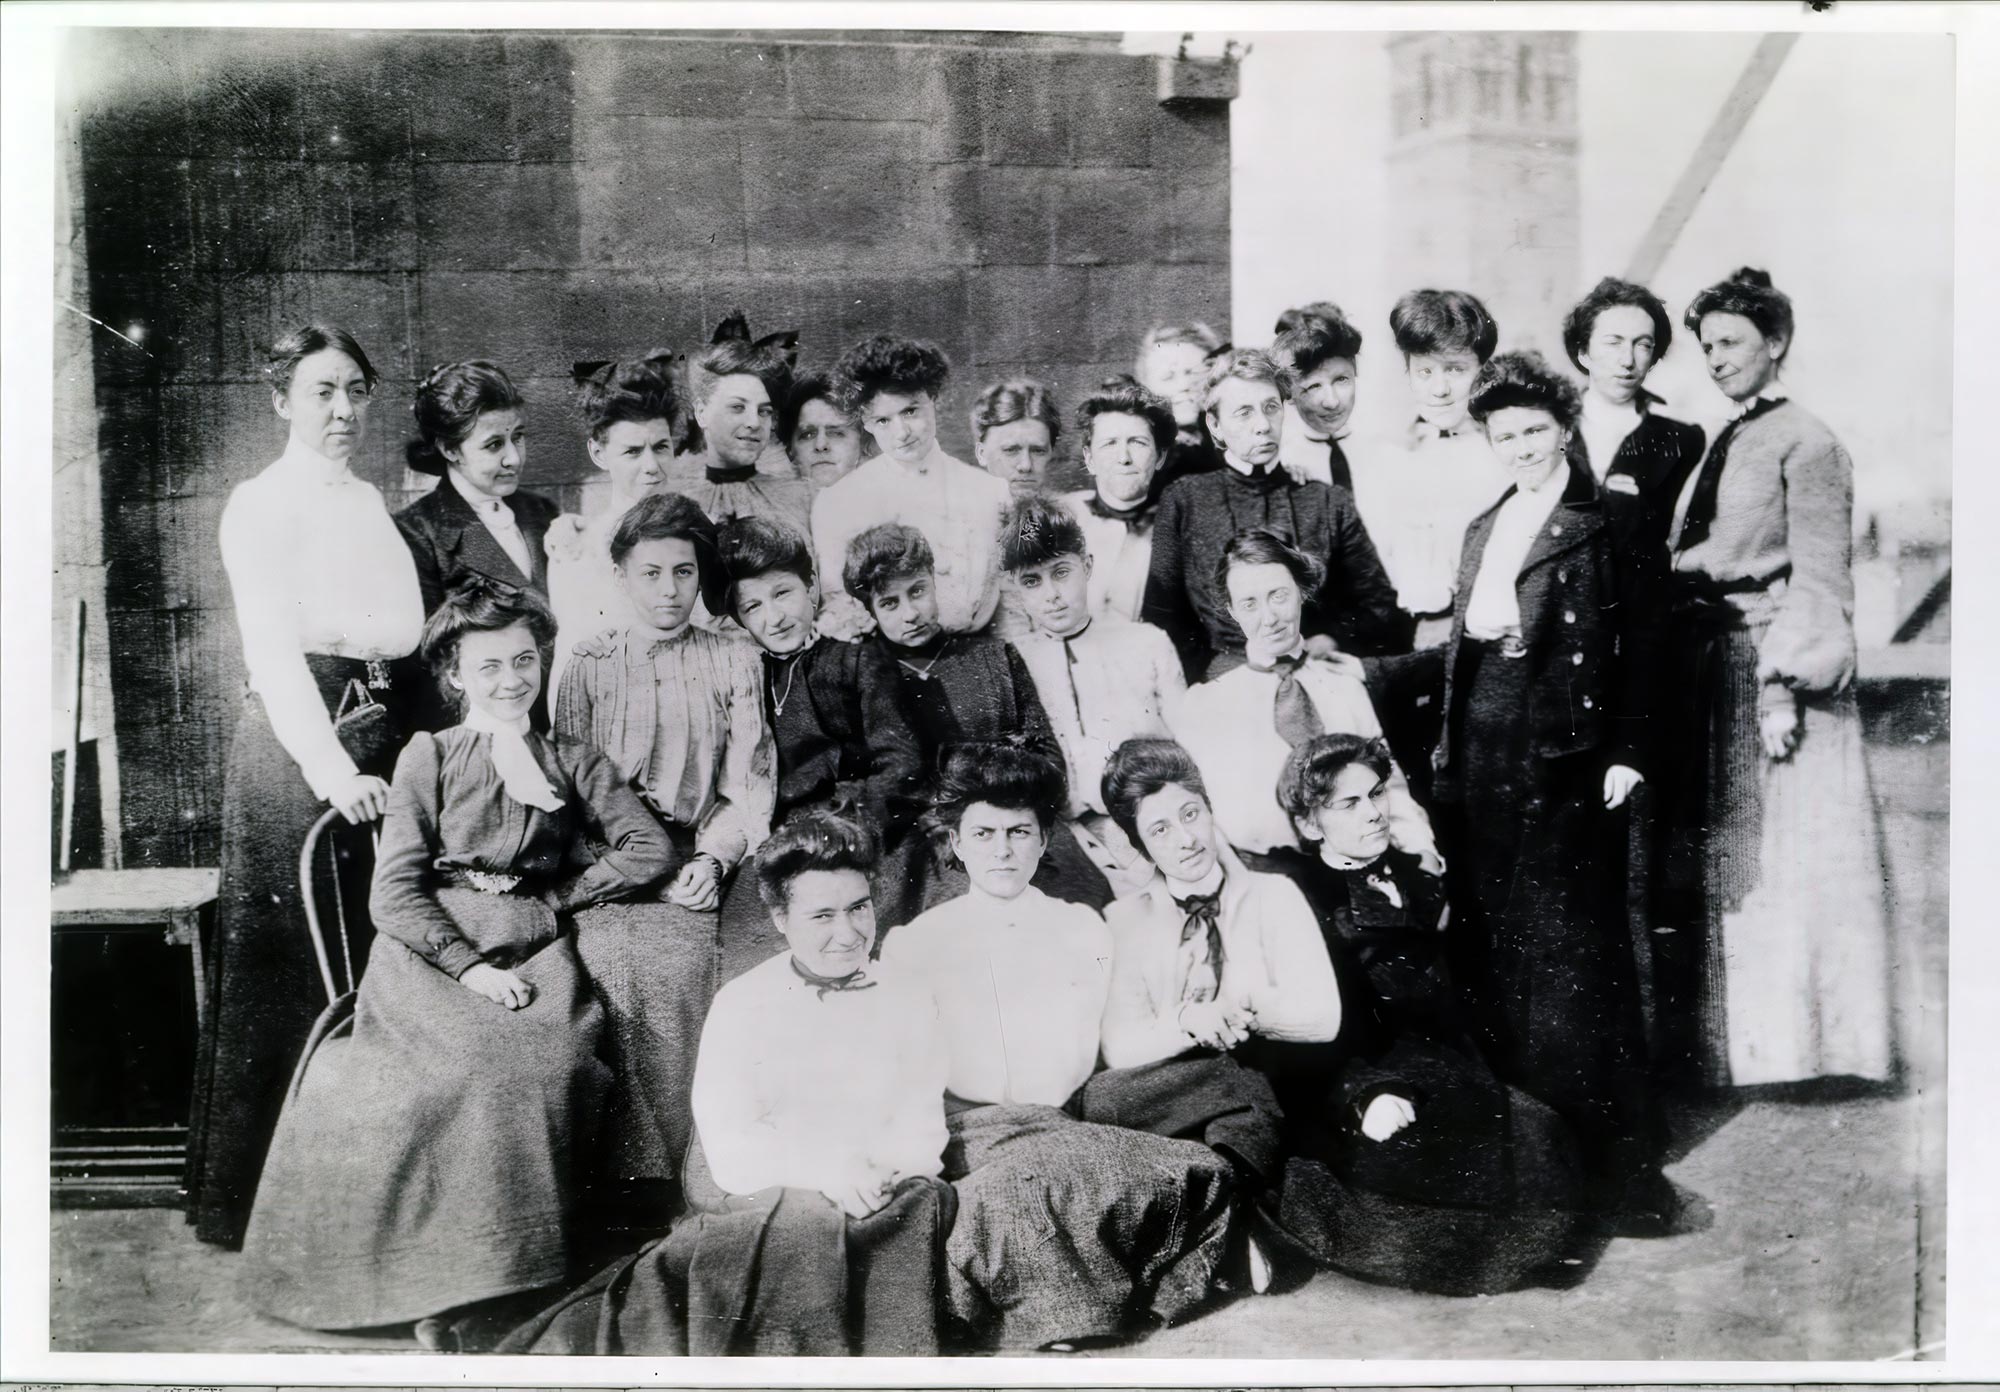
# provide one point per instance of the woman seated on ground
(1241, 726)
(1067, 1231)
(819, 1215)
(1206, 957)
(680, 712)
(435, 1135)
(957, 687)
(842, 734)
(1450, 1180)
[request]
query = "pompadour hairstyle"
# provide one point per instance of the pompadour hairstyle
(1194, 332)
(1262, 546)
(748, 547)
(477, 604)
(639, 389)
(450, 400)
(1443, 321)
(1609, 293)
(1019, 773)
(1314, 339)
(816, 840)
(1306, 782)
(1246, 365)
(885, 363)
(733, 357)
(1523, 379)
(806, 389)
(1036, 529)
(295, 345)
(1750, 293)
(883, 553)
(1139, 768)
(1021, 398)
(670, 517)
(1123, 396)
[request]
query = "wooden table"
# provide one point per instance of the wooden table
(172, 898)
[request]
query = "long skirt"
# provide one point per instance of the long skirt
(783, 1272)
(1068, 1230)
(428, 1156)
(1541, 950)
(1795, 954)
(263, 985)
(653, 965)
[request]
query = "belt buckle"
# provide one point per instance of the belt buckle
(378, 674)
(1512, 647)
(491, 881)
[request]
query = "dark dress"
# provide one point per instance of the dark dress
(433, 1143)
(264, 987)
(971, 686)
(449, 543)
(1483, 1191)
(1356, 604)
(1541, 949)
(846, 741)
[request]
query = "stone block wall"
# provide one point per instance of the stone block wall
(542, 199)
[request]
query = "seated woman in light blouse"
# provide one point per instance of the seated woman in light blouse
(326, 596)
(436, 1134)
(893, 385)
(819, 1098)
(680, 712)
(634, 421)
(1241, 726)
(1141, 1222)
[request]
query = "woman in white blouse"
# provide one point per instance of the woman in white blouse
(328, 604)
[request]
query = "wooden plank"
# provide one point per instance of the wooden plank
(1709, 156)
(141, 896)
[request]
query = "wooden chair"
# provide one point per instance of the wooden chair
(323, 952)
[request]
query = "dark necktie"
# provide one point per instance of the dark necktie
(1203, 918)
(1700, 514)
(1134, 519)
(1296, 719)
(853, 981)
(1336, 465)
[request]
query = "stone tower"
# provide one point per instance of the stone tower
(1482, 174)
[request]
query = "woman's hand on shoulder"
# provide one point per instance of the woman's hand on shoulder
(497, 985)
(361, 798)
(564, 539)
(1385, 1115)
(1619, 781)
(845, 619)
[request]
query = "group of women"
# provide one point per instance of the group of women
(900, 908)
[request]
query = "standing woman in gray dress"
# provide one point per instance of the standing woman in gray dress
(1776, 792)
(326, 596)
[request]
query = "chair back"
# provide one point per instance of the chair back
(339, 952)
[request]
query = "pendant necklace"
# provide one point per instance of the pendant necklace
(791, 671)
(925, 671)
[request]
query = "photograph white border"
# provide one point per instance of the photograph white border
(29, 45)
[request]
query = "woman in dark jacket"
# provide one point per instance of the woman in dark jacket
(1546, 686)
(472, 433)
(1614, 335)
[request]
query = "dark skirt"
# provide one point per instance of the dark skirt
(653, 966)
(1068, 1230)
(1541, 950)
(264, 987)
(429, 1155)
(779, 1273)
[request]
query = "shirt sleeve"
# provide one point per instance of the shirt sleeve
(633, 850)
(739, 820)
(1137, 1029)
(1299, 999)
(430, 575)
(573, 703)
(254, 557)
(739, 1136)
(913, 1137)
(1034, 716)
(1810, 643)
(891, 788)
(1358, 603)
(1167, 605)
(1169, 680)
(401, 901)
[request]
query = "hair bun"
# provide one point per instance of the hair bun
(1750, 275)
(423, 456)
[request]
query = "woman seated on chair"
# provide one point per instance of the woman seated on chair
(819, 1215)
(1067, 1231)
(433, 1141)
